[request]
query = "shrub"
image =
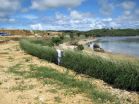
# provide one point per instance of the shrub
(80, 47)
(56, 40)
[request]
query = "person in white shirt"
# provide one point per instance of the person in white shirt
(59, 55)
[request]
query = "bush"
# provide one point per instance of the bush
(80, 47)
(121, 74)
(56, 40)
(43, 52)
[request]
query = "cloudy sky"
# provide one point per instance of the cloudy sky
(69, 14)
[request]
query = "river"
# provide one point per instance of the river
(123, 45)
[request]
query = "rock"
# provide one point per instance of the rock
(96, 46)
(99, 50)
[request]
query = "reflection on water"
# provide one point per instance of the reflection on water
(124, 45)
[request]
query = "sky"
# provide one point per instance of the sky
(69, 14)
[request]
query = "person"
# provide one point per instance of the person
(59, 55)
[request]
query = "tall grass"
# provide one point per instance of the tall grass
(121, 74)
(42, 42)
(43, 52)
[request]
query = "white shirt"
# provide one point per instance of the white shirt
(59, 53)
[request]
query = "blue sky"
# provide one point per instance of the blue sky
(69, 14)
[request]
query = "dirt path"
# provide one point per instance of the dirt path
(15, 89)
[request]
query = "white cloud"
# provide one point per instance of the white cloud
(44, 4)
(76, 15)
(8, 6)
(106, 7)
(75, 20)
(128, 5)
(30, 16)
(37, 26)
(127, 13)
(137, 11)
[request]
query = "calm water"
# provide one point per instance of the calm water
(124, 45)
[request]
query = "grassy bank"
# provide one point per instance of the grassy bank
(121, 74)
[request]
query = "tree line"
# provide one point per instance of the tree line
(103, 32)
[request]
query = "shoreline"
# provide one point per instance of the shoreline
(87, 41)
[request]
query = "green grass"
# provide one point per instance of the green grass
(58, 99)
(64, 80)
(121, 74)
(42, 42)
(21, 87)
(43, 52)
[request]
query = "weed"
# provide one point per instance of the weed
(28, 59)
(22, 87)
(58, 99)
(0, 83)
(53, 90)
(69, 82)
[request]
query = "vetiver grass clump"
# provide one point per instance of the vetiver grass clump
(42, 42)
(43, 52)
(121, 74)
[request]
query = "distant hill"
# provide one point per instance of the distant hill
(104, 32)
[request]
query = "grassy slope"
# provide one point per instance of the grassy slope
(66, 81)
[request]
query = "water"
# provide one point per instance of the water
(124, 45)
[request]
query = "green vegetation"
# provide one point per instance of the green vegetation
(103, 32)
(65, 81)
(115, 32)
(43, 52)
(121, 74)
(56, 40)
(80, 47)
(21, 87)
(42, 42)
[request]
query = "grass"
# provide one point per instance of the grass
(43, 52)
(64, 80)
(22, 87)
(42, 42)
(58, 99)
(121, 74)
